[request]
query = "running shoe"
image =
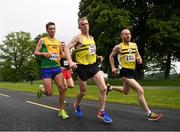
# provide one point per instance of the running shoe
(39, 91)
(63, 114)
(78, 111)
(108, 88)
(154, 116)
(104, 116)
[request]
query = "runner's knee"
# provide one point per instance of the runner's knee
(48, 93)
(83, 93)
(71, 86)
(125, 92)
(104, 89)
(140, 92)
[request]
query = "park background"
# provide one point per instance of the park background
(155, 27)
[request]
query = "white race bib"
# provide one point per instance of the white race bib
(54, 57)
(65, 63)
(92, 49)
(130, 58)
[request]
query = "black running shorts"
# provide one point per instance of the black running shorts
(86, 71)
(129, 73)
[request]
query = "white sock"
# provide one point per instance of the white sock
(148, 113)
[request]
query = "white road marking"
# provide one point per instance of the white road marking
(41, 105)
(4, 95)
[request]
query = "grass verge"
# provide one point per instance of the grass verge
(159, 97)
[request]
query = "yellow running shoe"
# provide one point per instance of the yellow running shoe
(63, 114)
(39, 91)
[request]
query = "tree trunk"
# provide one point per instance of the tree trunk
(167, 67)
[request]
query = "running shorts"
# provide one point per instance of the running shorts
(66, 73)
(50, 72)
(129, 73)
(86, 71)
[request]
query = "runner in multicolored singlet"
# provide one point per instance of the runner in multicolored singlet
(49, 49)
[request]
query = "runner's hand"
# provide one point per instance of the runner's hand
(139, 61)
(114, 70)
(72, 65)
(47, 55)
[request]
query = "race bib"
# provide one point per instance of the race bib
(129, 58)
(92, 49)
(65, 63)
(54, 57)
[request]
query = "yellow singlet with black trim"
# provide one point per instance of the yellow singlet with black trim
(86, 53)
(127, 57)
(51, 46)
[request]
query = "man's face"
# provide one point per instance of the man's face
(126, 35)
(84, 26)
(51, 30)
(63, 46)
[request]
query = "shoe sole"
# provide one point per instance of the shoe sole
(79, 116)
(104, 120)
(63, 117)
(156, 118)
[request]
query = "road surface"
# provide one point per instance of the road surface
(22, 111)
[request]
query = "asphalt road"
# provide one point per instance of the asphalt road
(22, 111)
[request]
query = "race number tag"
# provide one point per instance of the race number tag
(54, 57)
(65, 63)
(129, 58)
(92, 49)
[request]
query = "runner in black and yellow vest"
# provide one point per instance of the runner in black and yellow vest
(86, 68)
(49, 49)
(129, 55)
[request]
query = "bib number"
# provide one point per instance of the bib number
(65, 63)
(54, 57)
(129, 58)
(92, 49)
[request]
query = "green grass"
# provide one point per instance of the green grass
(160, 97)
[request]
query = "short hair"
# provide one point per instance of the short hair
(63, 43)
(124, 30)
(81, 19)
(49, 23)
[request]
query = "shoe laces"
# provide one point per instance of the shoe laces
(104, 115)
(153, 115)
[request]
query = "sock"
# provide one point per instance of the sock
(148, 113)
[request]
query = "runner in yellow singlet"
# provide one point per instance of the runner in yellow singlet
(86, 67)
(129, 54)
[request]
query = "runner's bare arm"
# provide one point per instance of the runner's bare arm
(38, 48)
(111, 58)
(76, 40)
(138, 57)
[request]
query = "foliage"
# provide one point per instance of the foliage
(153, 24)
(164, 34)
(16, 56)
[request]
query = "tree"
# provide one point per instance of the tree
(16, 54)
(164, 35)
(108, 17)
